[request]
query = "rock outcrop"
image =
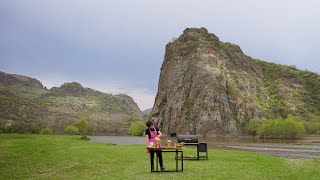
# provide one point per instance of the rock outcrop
(69, 89)
(211, 88)
(14, 79)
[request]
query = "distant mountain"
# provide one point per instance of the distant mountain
(147, 111)
(25, 105)
(213, 88)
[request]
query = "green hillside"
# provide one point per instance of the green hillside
(26, 106)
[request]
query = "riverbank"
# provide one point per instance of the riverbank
(289, 148)
(67, 157)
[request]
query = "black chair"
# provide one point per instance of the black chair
(203, 148)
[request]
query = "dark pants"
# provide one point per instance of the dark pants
(159, 154)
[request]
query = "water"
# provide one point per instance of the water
(214, 142)
(119, 140)
(303, 148)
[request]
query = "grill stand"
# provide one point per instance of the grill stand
(192, 140)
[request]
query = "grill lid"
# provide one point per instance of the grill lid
(187, 138)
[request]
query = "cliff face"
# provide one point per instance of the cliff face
(211, 87)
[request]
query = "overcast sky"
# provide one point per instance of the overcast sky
(118, 46)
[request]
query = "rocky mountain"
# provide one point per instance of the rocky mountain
(212, 88)
(25, 105)
(13, 79)
(147, 111)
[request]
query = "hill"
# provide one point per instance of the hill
(147, 111)
(26, 106)
(212, 88)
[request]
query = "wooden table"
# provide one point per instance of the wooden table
(167, 150)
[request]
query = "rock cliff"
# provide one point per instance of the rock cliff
(211, 88)
(14, 79)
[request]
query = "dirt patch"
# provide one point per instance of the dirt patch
(288, 151)
(272, 149)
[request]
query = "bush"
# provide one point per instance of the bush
(46, 131)
(252, 126)
(137, 128)
(312, 126)
(71, 130)
(14, 128)
(293, 128)
(270, 129)
(34, 129)
(82, 125)
(278, 128)
(131, 119)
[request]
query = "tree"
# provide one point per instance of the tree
(291, 127)
(312, 126)
(46, 130)
(34, 129)
(131, 119)
(15, 127)
(137, 128)
(82, 125)
(252, 126)
(71, 130)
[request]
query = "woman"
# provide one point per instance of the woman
(151, 134)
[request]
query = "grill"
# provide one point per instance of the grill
(187, 139)
(192, 140)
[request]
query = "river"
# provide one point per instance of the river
(303, 148)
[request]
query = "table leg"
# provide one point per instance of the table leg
(182, 160)
(156, 160)
(177, 159)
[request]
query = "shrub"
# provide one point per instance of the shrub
(270, 129)
(291, 127)
(308, 127)
(131, 119)
(34, 129)
(46, 130)
(252, 126)
(71, 130)
(14, 128)
(312, 126)
(82, 125)
(137, 128)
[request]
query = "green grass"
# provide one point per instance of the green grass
(67, 157)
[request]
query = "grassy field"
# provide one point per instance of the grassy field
(67, 157)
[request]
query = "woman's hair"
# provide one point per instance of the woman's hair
(149, 123)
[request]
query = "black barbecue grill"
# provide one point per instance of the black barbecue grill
(192, 140)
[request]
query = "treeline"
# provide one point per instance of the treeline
(291, 127)
(126, 125)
